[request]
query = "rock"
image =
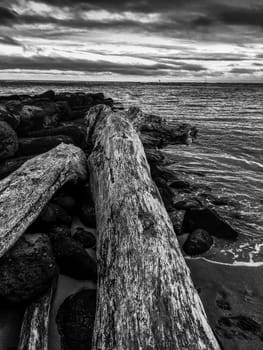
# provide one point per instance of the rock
(64, 111)
(75, 320)
(50, 95)
(8, 141)
(177, 220)
(54, 214)
(27, 270)
(188, 204)
(37, 145)
(208, 220)
(87, 214)
(85, 237)
(9, 118)
(98, 96)
(66, 202)
(76, 132)
(198, 242)
(72, 257)
(180, 184)
(32, 118)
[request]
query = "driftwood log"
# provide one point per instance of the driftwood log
(146, 298)
(26, 191)
(34, 330)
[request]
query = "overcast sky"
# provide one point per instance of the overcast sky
(144, 40)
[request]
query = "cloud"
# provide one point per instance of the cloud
(39, 63)
(243, 71)
(7, 16)
(7, 40)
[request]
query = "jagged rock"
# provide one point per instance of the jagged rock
(50, 95)
(72, 257)
(188, 204)
(87, 214)
(27, 270)
(66, 202)
(64, 110)
(76, 132)
(208, 220)
(37, 145)
(180, 184)
(75, 320)
(54, 214)
(8, 141)
(6, 116)
(176, 218)
(84, 237)
(198, 242)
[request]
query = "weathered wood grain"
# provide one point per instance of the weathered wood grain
(25, 192)
(34, 330)
(146, 299)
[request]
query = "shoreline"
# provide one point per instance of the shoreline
(61, 115)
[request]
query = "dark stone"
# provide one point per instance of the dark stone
(176, 218)
(8, 141)
(208, 220)
(64, 110)
(11, 119)
(85, 237)
(66, 202)
(240, 326)
(87, 214)
(37, 145)
(54, 214)
(32, 118)
(98, 96)
(188, 204)
(77, 133)
(198, 242)
(180, 184)
(72, 257)
(75, 320)
(50, 95)
(27, 270)
(108, 102)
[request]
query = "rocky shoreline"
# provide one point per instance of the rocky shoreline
(62, 240)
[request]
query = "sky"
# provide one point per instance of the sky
(132, 40)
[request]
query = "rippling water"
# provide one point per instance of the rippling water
(228, 154)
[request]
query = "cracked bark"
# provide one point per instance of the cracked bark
(146, 298)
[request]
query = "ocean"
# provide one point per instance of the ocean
(227, 157)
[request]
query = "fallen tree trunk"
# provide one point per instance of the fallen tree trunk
(26, 191)
(34, 330)
(146, 299)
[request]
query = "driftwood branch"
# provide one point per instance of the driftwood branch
(146, 298)
(34, 330)
(26, 191)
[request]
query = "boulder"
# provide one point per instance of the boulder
(198, 242)
(6, 116)
(180, 185)
(75, 320)
(8, 141)
(86, 238)
(54, 214)
(188, 204)
(63, 110)
(71, 256)
(77, 133)
(87, 214)
(27, 270)
(66, 202)
(37, 145)
(50, 95)
(177, 218)
(208, 220)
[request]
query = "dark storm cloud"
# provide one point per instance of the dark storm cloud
(78, 65)
(7, 40)
(7, 16)
(243, 71)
